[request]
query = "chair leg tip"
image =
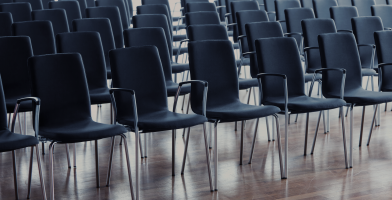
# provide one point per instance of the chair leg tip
(273, 139)
(269, 140)
(212, 190)
(216, 189)
(210, 147)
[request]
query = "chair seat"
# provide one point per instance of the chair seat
(100, 96)
(172, 88)
(309, 77)
(25, 106)
(81, 131)
(183, 50)
(11, 141)
(247, 83)
(179, 37)
(179, 67)
(238, 111)
(245, 61)
(368, 72)
(164, 120)
(304, 104)
(362, 97)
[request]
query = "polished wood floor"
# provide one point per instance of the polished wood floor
(318, 176)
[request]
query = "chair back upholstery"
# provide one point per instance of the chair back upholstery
(342, 16)
(321, 8)
(58, 17)
(71, 8)
(363, 6)
(20, 11)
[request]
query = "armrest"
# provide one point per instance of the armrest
(219, 7)
(241, 36)
(367, 45)
(233, 24)
(37, 102)
(261, 4)
(227, 14)
(387, 28)
(293, 34)
(349, 31)
(343, 71)
(383, 64)
(111, 91)
(309, 48)
(179, 48)
(248, 53)
(203, 83)
(284, 77)
(271, 12)
(281, 21)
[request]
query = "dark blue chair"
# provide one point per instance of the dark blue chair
(71, 8)
(58, 17)
(35, 4)
(19, 11)
(5, 24)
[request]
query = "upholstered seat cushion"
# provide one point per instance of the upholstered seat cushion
(172, 88)
(309, 77)
(368, 72)
(10, 141)
(238, 111)
(179, 67)
(304, 104)
(164, 120)
(85, 130)
(100, 96)
(247, 83)
(179, 37)
(361, 96)
(24, 106)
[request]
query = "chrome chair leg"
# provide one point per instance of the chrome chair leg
(379, 116)
(15, 174)
(242, 141)
(43, 148)
(351, 134)
(363, 118)
(20, 126)
(41, 177)
(51, 147)
(24, 123)
(254, 96)
(267, 124)
(141, 147)
(371, 127)
(183, 101)
(67, 151)
(145, 145)
(74, 151)
(110, 162)
(187, 111)
(279, 146)
(97, 112)
(235, 126)
(207, 157)
(344, 138)
(185, 152)
(386, 106)
(211, 133)
(173, 151)
(216, 155)
(347, 111)
(9, 120)
(129, 168)
(306, 133)
(253, 143)
(315, 134)
(296, 118)
(324, 123)
(285, 174)
(97, 164)
(273, 130)
(289, 118)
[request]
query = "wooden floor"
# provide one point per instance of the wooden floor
(319, 176)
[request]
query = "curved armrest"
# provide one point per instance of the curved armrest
(241, 36)
(342, 84)
(37, 102)
(248, 53)
(293, 34)
(233, 24)
(284, 77)
(203, 83)
(309, 48)
(227, 14)
(367, 45)
(219, 7)
(261, 4)
(387, 28)
(179, 48)
(135, 116)
(349, 31)
(383, 64)
(271, 12)
(281, 21)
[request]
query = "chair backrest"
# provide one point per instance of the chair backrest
(294, 16)
(103, 27)
(364, 28)
(129, 6)
(82, 6)
(207, 32)
(381, 2)
(340, 50)
(157, 9)
(14, 51)
(213, 61)
(6, 1)
(58, 17)
(385, 13)
(154, 36)
(121, 7)
(200, 6)
(35, 4)
(71, 8)
(311, 28)
(342, 16)
(131, 70)
(45, 3)
(60, 82)
(143, 21)
(258, 30)
(113, 14)
(3, 109)
(221, 10)
(192, 1)
(307, 4)
(89, 45)
(90, 3)
(248, 16)
(321, 8)
(203, 17)
(5, 24)
(20, 11)
(40, 33)
(229, 10)
(345, 3)
(159, 2)
(363, 6)
(281, 6)
(237, 6)
(383, 41)
(267, 50)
